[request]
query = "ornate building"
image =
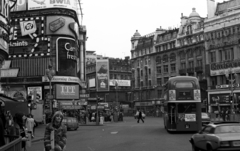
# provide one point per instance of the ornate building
(221, 29)
(166, 53)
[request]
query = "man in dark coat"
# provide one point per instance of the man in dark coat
(140, 116)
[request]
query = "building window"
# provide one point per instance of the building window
(199, 63)
(159, 70)
(159, 93)
(190, 64)
(111, 76)
(149, 71)
(150, 82)
(165, 58)
(173, 67)
(199, 52)
(165, 68)
(183, 65)
(141, 73)
(158, 60)
(213, 82)
(159, 81)
(221, 55)
(172, 57)
(190, 53)
(182, 55)
(213, 57)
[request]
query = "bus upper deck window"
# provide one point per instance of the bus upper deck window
(184, 85)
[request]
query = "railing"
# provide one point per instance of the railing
(13, 143)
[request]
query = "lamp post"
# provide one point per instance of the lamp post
(50, 72)
(232, 86)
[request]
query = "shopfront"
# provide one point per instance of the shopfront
(221, 98)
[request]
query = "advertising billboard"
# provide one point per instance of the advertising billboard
(67, 91)
(45, 4)
(102, 75)
(37, 90)
(21, 5)
(67, 56)
(59, 25)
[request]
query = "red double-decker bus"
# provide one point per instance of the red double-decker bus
(182, 104)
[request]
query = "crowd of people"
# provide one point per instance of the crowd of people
(19, 125)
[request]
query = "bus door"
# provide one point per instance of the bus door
(172, 116)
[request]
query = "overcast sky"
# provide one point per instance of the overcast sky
(111, 23)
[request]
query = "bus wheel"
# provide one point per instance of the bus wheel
(209, 148)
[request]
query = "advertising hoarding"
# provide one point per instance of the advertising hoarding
(37, 90)
(46, 4)
(67, 56)
(123, 83)
(67, 91)
(59, 25)
(102, 75)
(21, 5)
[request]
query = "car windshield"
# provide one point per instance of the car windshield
(228, 129)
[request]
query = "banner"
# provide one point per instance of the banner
(102, 75)
(45, 4)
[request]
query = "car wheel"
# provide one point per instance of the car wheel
(209, 148)
(194, 148)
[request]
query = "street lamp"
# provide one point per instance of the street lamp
(50, 72)
(232, 86)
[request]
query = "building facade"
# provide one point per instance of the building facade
(164, 54)
(119, 85)
(221, 29)
(46, 54)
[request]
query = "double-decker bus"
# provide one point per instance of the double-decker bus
(182, 104)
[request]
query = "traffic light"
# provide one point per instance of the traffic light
(29, 99)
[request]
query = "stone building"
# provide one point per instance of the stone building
(221, 29)
(167, 53)
(118, 93)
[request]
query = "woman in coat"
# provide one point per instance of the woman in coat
(59, 131)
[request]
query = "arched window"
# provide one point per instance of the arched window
(165, 58)
(158, 60)
(173, 57)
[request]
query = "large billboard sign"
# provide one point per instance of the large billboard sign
(45, 4)
(67, 91)
(67, 56)
(102, 74)
(21, 5)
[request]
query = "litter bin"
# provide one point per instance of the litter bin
(101, 120)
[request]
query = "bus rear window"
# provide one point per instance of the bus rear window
(184, 85)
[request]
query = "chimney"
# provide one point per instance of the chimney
(211, 8)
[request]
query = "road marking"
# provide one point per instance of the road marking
(114, 132)
(91, 149)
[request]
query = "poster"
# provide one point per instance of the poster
(102, 74)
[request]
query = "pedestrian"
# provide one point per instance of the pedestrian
(19, 128)
(2, 141)
(55, 131)
(140, 116)
(224, 114)
(228, 114)
(30, 124)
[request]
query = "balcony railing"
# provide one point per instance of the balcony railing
(190, 70)
(199, 69)
(182, 71)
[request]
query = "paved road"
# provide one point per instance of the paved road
(125, 136)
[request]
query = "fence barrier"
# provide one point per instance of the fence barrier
(13, 143)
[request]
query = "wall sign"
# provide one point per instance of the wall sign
(67, 91)
(102, 74)
(67, 54)
(57, 24)
(28, 27)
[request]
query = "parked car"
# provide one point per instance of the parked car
(136, 115)
(71, 123)
(205, 118)
(224, 136)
